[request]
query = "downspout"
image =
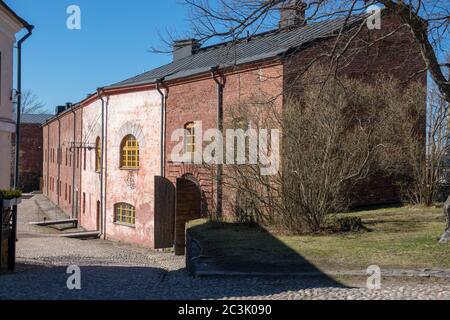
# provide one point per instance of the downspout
(48, 158)
(19, 101)
(159, 83)
(219, 175)
(102, 168)
(105, 186)
(58, 162)
(74, 201)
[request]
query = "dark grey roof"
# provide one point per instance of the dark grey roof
(14, 14)
(33, 118)
(259, 47)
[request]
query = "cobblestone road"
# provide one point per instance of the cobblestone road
(117, 271)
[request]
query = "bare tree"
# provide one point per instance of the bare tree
(431, 170)
(334, 137)
(31, 104)
(428, 22)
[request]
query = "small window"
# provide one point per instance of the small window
(129, 153)
(98, 155)
(125, 213)
(84, 160)
(84, 202)
(189, 139)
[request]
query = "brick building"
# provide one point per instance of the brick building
(107, 159)
(31, 151)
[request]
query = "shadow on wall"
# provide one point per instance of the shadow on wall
(140, 283)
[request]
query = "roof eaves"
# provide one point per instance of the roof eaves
(22, 21)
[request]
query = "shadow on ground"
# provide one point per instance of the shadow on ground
(39, 282)
(218, 248)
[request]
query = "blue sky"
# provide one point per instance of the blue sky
(114, 43)
(62, 65)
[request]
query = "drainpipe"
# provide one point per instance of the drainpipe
(159, 83)
(19, 101)
(74, 201)
(220, 85)
(102, 168)
(58, 162)
(48, 158)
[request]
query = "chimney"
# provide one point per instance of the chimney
(184, 48)
(292, 14)
(60, 109)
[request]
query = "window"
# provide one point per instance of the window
(84, 202)
(84, 160)
(125, 213)
(65, 191)
(70, 194)
(189, 139)
(129, 153)
(98, 155)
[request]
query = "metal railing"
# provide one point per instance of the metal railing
(8, 232)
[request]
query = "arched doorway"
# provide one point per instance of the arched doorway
(188, 207)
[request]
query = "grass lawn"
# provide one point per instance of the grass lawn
(403, 237)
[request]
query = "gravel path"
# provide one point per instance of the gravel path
(116, 271)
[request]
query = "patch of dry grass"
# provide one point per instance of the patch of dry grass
(404, 237)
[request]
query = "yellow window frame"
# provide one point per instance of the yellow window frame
(125, 213)
(189, 141)
(129, 157)
(98, 155)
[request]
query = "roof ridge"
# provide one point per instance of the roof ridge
(262, 46)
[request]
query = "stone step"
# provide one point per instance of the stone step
(47, 223)
(82, 235)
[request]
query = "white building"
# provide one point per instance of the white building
(10, 25)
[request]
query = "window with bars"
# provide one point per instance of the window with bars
(129, 153)
(125, 213)
(189, 139)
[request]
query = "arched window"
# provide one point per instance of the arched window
(189, 139)
(98, 155)
(125, 213)
(129, 150)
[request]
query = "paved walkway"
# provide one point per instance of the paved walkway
(117, 271)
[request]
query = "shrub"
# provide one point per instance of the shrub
(349, 224)
(10, 194)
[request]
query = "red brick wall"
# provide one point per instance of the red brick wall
(396, 55)
(197, 101)
(30, 156)
(60, 160)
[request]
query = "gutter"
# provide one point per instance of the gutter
(48, 160)
(58, 163)
(19, 101)
(102, 167)
(74, 201)
(219, 176)
(159, 83)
